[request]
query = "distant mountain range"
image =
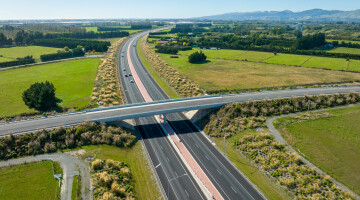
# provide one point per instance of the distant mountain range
(287, 15)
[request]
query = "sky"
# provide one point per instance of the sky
(105, 9)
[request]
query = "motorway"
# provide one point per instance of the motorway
(175, 179)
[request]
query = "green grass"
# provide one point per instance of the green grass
(331, 143)
(169, 90)
(94, 29)
(263, 182)
(76, 189)
(287, 59)
(145, 184)
(345, 50)
(30, 181)
(217, 74)
(35, 51)
(73, 80)
(354, 65)
(347, 41)
(5, 59)
(326, 63)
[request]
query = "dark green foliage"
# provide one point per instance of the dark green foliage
(141, 26)
(167, 49)
(77, 52)
(197, 57)
(88, 35)
(4, 41)
(46, 141)
(99, 46)
(18, 61)
(310, 41)
(41, 96)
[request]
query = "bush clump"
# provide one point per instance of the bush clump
(286, 168)
(197, 57)
(110, 181)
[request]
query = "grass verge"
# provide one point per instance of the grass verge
(76, 188)
(29, 181)
(169, 90)
(330, 142)
(73, 80)
(268, 187)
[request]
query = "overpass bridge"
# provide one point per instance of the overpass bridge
(130, 111)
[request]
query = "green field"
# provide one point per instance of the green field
(332, 143)
(345, 50)
(227, 73)
(145, 183)
(73, 80)
(327, 63)
(264, 183)
(17, 52)
(347, 41)
(93, 29)
(287, 59)
(30, 181)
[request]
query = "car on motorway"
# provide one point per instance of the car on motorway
(131, 81)
(126, 75)
(133, 45)
(124, 69)
(130, 74)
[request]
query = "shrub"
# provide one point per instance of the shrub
(197, 57)
(167, 50)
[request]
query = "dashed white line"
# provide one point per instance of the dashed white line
(218, 171)
(233, 189)
(187, 193)
(157, 165)
(207, 157)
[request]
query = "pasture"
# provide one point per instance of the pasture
(73, 80)
(332, 143)
(223, 72)
(30, 181)
(18, 52)
(345, 50)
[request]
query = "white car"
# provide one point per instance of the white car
(131, 81)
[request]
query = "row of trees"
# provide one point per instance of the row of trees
(310, 41)
(166, 49)
(48, 141)
(99, 46)
(18, 61)
(77, 52)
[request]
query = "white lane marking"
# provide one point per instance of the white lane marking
(196, 145)
(233, 189)
(168, 159)
(218, 171)
(157, 165)
(207, 157)
(187, 193)
(161, 147)
(176, 174)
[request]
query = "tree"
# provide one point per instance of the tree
(41, 96)
(197, 57)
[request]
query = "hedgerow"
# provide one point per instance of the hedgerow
(112, 180)
(48, 141)
(183, 85)
(107, 88)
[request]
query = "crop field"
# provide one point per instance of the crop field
(288, 59)
(16, 52)
(145, 185)
(221, 74)
(264, 183)
(73, 80)
(93, 29)
(345, 50)
(31, 181)
(332, 143)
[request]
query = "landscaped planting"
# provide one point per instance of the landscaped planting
(287, 169)
(107, 89)
(45, 141)
(112, 180)
(183, 85)
(233, 118)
